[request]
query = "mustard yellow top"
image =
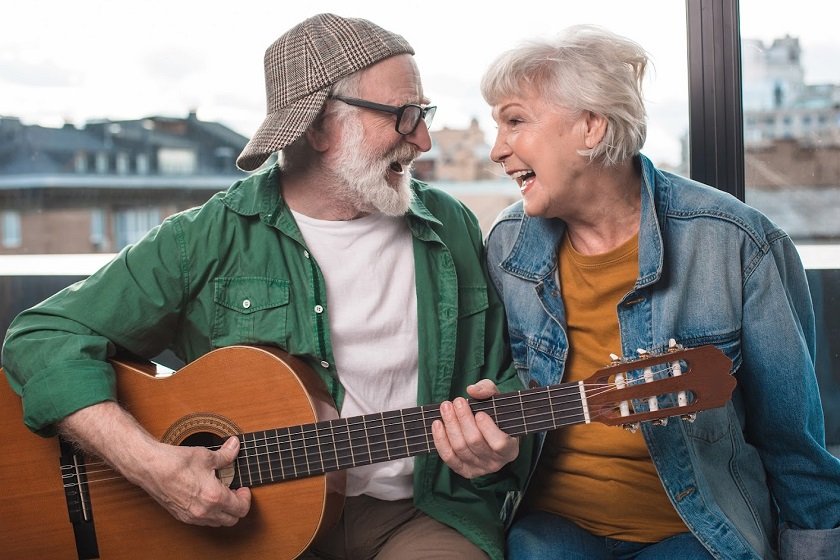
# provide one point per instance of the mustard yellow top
(600, 477)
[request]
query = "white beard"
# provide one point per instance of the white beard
(363, 174)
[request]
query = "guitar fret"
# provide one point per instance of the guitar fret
(287, 465)
(331, 446)
(404, 433)
(270, 453)
(345, 442)
(385, 437)
(417, 434)
(245, 455)
(361, 454)
(395, 439)
(350, 442)
(297, 446)
(566, 396)
(316, 465)
(275, 455)
(259, 457)
(375, 432)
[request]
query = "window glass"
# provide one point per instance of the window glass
(791, 92)
(11, 229)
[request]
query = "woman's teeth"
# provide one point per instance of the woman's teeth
(522, 177)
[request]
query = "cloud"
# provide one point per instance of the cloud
(173, 64)
(35, 73)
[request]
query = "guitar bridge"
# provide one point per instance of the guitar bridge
(74, 479)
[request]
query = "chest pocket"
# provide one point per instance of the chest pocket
(250, 310)
(472, 308)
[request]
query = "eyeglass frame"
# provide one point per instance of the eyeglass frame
(426, 113)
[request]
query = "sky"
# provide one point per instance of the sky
(64, 61)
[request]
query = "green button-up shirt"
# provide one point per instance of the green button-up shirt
(237, 271)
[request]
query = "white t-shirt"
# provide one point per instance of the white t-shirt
(368, 266)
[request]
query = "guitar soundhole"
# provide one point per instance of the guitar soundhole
(203, 439)
(204, 429)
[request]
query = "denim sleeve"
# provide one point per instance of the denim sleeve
(814, 544)
(784, 414)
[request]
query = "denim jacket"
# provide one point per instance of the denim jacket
(751, 479)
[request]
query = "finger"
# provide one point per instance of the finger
(224, 519)
(505, 447)
(441, 440)
(483, 389)
(241, 503)
(227, 452)
(452, 427)
(467, 429)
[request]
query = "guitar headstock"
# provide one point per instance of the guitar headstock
(679, 382)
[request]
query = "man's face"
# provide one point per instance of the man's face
(372, 159)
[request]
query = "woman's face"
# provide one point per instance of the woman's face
(537, 143)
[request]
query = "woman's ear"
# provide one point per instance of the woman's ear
(595, 128)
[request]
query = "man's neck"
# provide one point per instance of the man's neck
(317, 196)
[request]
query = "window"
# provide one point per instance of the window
(12, 236)
(172, 161)
(98, 235)
(133, 224)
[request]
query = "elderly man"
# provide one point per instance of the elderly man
(337, 256)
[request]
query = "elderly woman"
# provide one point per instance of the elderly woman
(607, 254)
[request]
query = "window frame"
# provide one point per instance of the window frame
(715, 105)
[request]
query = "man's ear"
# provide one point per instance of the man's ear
(595, 128)
(321, 132)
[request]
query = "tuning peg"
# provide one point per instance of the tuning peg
(660, 422)
(614, 359)
(689, 417)
(642, 352)
(673, 346)
(631, 427)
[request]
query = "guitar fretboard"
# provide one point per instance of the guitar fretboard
(311, 449)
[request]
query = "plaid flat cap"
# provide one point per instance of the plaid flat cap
(301, 66)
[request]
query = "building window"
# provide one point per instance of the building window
(101, 162)
(81, 162)
(142, 163)
(133, 224)
(12, 236)
(122, 163)
(173, 161)
(98, 236)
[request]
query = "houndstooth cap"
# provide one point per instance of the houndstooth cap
(301, 66)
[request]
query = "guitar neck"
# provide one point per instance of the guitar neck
(311, 449)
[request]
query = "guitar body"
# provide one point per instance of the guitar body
(226, 392)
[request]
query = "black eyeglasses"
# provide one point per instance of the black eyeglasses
(408, 116)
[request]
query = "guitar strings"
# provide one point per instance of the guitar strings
(419, 418)
(427, 416)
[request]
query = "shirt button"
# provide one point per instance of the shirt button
(325, 364)
(246, 303)
(319, 309)
(306, 254)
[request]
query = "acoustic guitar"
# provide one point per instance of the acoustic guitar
(57, 503)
